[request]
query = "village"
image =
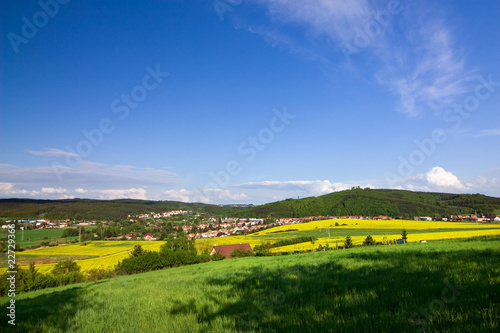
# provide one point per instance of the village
(211, 227)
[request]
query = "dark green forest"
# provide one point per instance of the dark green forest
(88, 209)
(365, 202)
(374, 202)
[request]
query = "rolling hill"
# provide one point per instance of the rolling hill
(366, 202)
(373, 202)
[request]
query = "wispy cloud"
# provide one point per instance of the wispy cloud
(307, 187)
(426, 71)
(93, 180)
(11, 190)
(209, 195)
(489, 132)
(53, 152)
(412, 50)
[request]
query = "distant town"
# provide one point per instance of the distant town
(154, 226)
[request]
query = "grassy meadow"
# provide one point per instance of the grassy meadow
(441, 286)
(33, 238)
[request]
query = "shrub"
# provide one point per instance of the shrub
(65, 267)
(240, 254)
(264, 249)
(69, 232)
(369, 241)
(348, 242)
(137, 251)
(404, 234)
(96, 274)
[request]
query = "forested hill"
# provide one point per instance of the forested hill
(374, 202)
(365, 202)
(89, 209)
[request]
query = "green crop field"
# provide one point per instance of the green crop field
(32, 238)
(441, 286)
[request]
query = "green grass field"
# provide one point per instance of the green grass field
(441, 286)
(29, 238)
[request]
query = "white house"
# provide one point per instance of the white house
(497, 219)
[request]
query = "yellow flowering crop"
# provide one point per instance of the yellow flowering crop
(111, 252)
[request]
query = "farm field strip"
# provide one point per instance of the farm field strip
(25, 260)
(357, 240)
(111, 252)
(97, 248)
(378, 224)
(108, 261)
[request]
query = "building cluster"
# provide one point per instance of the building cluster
(160, 215)
(212, 227)
(460, 218)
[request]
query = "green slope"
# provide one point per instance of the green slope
(366, 202)
(97, 209)
(446, 286)
(372, 202)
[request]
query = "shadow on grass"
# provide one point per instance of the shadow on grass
(52, 311)
(386, 292)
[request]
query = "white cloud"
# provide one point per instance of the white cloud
(208, 195)
(6, 187)
(489, 132)
(307, 187)
(93, 180)
(54, 152)
(437, 179)
(441, 178)
(52, 190)
(129, 193)
(98, 175)
(10, 190)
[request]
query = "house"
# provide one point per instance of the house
(497, 219)
(227, 250)
(129, 236)
(148, 237)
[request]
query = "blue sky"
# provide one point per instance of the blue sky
(232, 101)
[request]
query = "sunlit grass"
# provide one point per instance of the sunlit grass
(366, 289)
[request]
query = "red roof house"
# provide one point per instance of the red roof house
(227, 250)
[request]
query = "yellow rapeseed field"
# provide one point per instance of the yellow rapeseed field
(428, 236)
(379, 224)
(111, 252)
(94, 248)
